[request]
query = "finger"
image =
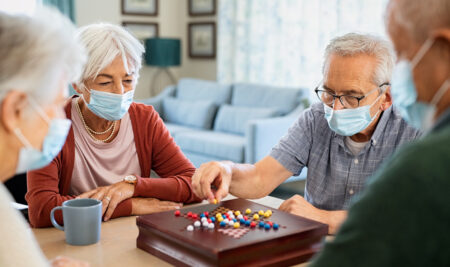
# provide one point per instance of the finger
(195, 181)
(283, 205)
(170, 203)
(87, 194)
(222, 192)
(116, 198)
(166, 208)
(100, 194)
(206, 182)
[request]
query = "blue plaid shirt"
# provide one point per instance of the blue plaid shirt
(335, 175)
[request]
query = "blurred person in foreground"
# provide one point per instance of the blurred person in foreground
(39, 58)
(403, 217)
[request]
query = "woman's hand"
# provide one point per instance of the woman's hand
(68, 262)
(110, 196)
(142, 206)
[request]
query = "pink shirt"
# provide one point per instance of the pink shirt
(101, 164)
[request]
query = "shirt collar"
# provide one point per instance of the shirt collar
(380, 128)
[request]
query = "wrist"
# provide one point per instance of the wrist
(228, 165)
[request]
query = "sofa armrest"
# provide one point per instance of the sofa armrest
(263, 134)
(156, 101)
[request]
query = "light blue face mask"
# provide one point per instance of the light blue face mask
(29, 157)
(110, 106)
(404, 93)
(348, 122)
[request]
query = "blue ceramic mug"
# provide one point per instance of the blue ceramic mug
(82, 220)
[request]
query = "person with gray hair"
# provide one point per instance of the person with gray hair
(402, 218)
(342, 140)
(113, 143)
(39, 57)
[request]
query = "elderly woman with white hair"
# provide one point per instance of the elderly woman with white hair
(39, 57)
(114, 143)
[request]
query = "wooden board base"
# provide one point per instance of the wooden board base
(165, 236)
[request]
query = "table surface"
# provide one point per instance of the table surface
(117, 246)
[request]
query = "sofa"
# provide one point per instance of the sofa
(238, 122)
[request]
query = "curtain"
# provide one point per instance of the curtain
(282, 42)
(66, 7)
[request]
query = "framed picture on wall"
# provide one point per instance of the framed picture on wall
(142, 30)
(202, 7)
(202, 39)
(140, 7)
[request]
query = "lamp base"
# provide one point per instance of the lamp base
(154, 89)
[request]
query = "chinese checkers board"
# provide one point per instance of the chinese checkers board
(236, 232)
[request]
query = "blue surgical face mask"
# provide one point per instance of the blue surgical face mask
(348, 122)
(29, 157)
(110, 106)
(404, 93)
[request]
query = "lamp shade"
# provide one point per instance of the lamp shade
(163, 52)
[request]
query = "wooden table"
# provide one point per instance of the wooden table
(117, 246)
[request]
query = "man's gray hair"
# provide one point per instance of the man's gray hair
(37, 52)
(353, 44)
(420, 17)
(104, 42)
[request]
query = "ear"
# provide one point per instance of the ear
(387, 102)
(12, 109)
(77, 89)
(442, 33)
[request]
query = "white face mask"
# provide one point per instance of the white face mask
(29, 157)
(404, 92)
(348, 122)
(109, 106)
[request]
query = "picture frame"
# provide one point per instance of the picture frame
(202, 40)
(202, 7)
(140, 7)
(142, 30)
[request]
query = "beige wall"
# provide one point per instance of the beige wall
(173, 19)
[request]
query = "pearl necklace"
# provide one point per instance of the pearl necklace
(92, 132)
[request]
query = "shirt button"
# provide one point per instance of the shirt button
(356, 161)
(374, 142)
(351, 192)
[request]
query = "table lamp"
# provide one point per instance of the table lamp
(162, 53)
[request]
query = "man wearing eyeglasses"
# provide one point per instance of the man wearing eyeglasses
(342, 140)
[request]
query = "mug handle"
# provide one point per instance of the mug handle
(52, 218)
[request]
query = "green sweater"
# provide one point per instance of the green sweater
(403, 217)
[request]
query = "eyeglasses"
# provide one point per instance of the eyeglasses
(347, 101)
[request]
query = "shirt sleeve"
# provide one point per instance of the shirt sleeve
(384, 227)
(292, 151)
(171, 165)
(18, 246)
(43, 194)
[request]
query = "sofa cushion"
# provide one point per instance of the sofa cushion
(176, 128)
(233, 119)
(193, 89)
(198, 114)
(215, 144)
(251, 95)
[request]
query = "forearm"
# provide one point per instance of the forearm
(246, 182)
(177, 189)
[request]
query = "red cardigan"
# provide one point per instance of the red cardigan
(49, 187)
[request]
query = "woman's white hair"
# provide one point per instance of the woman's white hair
(104, 42)
(352, 44)
(37, 52)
